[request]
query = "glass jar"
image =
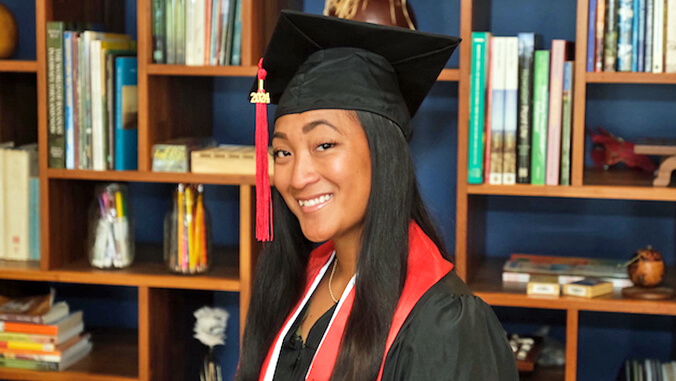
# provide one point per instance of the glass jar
(187, 232)
(111, 228)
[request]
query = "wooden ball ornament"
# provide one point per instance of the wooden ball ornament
(9, 33)
(646, 270)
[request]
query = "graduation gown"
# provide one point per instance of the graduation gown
(446, 334)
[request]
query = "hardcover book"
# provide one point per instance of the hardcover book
(479, 72)
(588, 288)
(540, 113)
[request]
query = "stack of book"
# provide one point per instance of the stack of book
(521, 107)
(19, 203)
(522, 268)
(632, 35)
(197, 32)
(92, 98)
(37, 334)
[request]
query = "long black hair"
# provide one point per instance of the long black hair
(280, 273)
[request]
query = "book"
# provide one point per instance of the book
(528, 42)
(670, 38)
(510, 119)
(649, 18)
(174, 155)
(561, 51)
(591, 35)
(625, 22)
(567, 122)
(230, 159)
(111, 98)
(544, 285)
(540, 112)
(57, 354)
(509, 278)
(498, 80)
(57, 339)
(159, 31)
(658, 36)
(69, 322)
(477, 113)
(610, 37)
(47, 365)
(236, 54)
(55, 313)
(588, 288)
(126, 113)
(556, 265)
(55, 93)
(641, 35)
(20, 165)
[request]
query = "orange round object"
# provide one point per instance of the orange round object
(647, 270)
(9, 33)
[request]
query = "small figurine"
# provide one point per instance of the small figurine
(608, 150)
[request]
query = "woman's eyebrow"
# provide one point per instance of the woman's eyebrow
(312, 125)
(279, 135)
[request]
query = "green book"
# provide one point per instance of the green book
(477, 106)
(55, 95)
(567, 122)
(540, 113)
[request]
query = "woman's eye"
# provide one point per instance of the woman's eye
(280, 153)
(325, 146)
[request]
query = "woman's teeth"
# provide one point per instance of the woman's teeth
(315, 201)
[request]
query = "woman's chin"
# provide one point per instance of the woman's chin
(315, 235)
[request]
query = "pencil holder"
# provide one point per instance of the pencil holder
(111, 228)
(187, 232)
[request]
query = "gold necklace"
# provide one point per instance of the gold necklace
(333, 271)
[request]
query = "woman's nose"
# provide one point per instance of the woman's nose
(304, 171)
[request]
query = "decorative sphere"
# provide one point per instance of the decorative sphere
(9, 33)
(647, 268)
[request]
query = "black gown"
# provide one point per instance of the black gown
(449, 335)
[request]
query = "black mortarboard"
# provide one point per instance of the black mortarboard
(315, 62)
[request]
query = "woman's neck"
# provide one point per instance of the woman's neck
(347, 253)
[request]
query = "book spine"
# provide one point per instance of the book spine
(98, 150)
(27, 346)
(610, 40)
(207, 31)
(566, 122)
(478, 75)
(658, 36)
(625, 22)
(126, 108)
(232, 15)
(159, 31)
(649, 18)
(225, 30)
(170, 30)
(237, 35)
(600, 34)
(28, 364)
(76, 100)
(634, 34)
(180, 31)
(487, 115)
(498, 82)
(591, 35)
(55, 30)
(34, 232)
(19, 164)
(670, 53)
(555, 105)
(527, 44)
(23, 355)
(540, 112)
(640, 60)
(215, 31)
(68, 85)
(510, 111)
(27, 338)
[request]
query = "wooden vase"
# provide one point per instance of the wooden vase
(384, 12)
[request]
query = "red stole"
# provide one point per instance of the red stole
(426, 267)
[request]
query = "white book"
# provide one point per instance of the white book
(511, 110)
(498, 82)
(670, 53)
(658, 36)
(195, 32)
(19, 165)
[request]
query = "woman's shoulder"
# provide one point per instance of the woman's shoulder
(451, 334)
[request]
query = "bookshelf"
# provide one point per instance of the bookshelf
(483, 272)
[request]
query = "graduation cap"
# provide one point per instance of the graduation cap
(315, 62)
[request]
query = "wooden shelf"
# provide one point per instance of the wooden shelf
(449, 75)
(618, 185)
(16, 66)
(213, 71)
(114, 357)
(151, 177)
(487, 284)
(629, 77)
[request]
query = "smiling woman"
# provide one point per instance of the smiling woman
(377, 300)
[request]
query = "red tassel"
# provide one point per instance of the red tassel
(261, 98)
